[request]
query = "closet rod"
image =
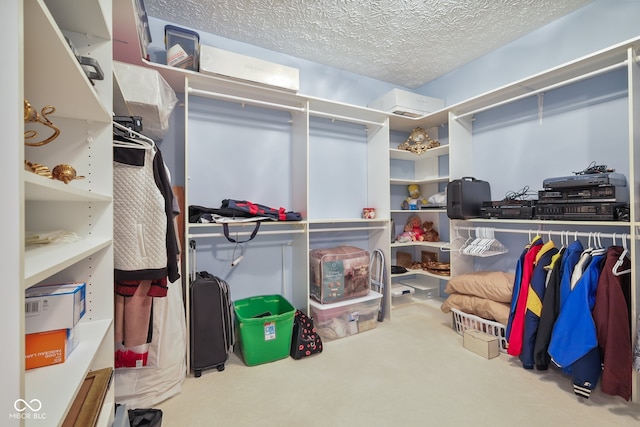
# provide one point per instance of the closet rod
(242, 100)
(344, 118)
(322, 230)
(546, 88)
(553, 232)
(245, 233)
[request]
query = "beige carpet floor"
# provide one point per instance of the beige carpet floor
(411, 371)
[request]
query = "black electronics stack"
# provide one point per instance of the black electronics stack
(587, 197)
(582, 197)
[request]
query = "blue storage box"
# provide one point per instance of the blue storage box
(183, 47)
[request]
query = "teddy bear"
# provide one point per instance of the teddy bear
(430, 235)
(415, 201)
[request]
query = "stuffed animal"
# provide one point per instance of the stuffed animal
(406, 236)
(415, 200)
(430, 235)
(413, 231)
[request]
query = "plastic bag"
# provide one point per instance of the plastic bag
(146, 94)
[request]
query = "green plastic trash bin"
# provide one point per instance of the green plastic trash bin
(264, 325)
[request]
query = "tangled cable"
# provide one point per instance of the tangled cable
(521, 194)
(594, 168)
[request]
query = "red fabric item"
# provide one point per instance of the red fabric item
(611, 316)
(130, 359)
(517, 326)
(128, 288)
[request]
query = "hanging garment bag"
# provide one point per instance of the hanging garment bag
(211, 335)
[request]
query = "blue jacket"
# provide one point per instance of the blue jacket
(574, 333)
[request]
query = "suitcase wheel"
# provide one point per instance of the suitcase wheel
(197, 373)
(220, 368)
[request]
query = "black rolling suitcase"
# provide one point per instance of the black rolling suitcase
(465, 197)
(211, 335)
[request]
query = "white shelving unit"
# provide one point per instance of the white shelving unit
(306, 122)
(48, 73)
(424, 170)
(295, 119)
(460, 121)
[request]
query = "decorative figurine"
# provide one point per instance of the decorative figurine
(65, 173)
(418, 142)
(31, 115)
(415, 201)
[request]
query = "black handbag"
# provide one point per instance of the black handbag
(145, 417)
(305, 341)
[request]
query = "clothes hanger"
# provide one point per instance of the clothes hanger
(448, 246)
(615, 270)
(473, 247)
(564, 241)
(466, 242)
(599, 248)
(130, 138)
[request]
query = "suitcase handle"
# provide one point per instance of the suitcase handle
(192, 247)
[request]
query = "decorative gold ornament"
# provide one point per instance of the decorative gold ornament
(31, 115)
(38, 169)
(65, 173)
(418, 142)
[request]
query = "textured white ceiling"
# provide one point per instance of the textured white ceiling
(404, 42)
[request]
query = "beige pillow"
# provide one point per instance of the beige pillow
(493, 285)
(482, 307)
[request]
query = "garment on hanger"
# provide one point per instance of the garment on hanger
(516, 290)
(145, 243)
(574, 341)
(549, 312)
(517, 325)
(535, 297)
(569, 261)
(612, 317)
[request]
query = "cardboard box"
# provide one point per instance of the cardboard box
(480, 343)
(406, 103)
(51, 307)
(49, 348)
(231, 64)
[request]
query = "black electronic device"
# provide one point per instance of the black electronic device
(586, 180)
(597, 194)
(583, 211)
(509, 209)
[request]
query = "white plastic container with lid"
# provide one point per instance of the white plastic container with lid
(344, 318)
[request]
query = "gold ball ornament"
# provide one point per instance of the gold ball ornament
(65, 173)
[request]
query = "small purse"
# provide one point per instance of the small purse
(305, 341)
(145, 417)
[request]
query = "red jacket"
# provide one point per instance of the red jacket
(517, 326)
